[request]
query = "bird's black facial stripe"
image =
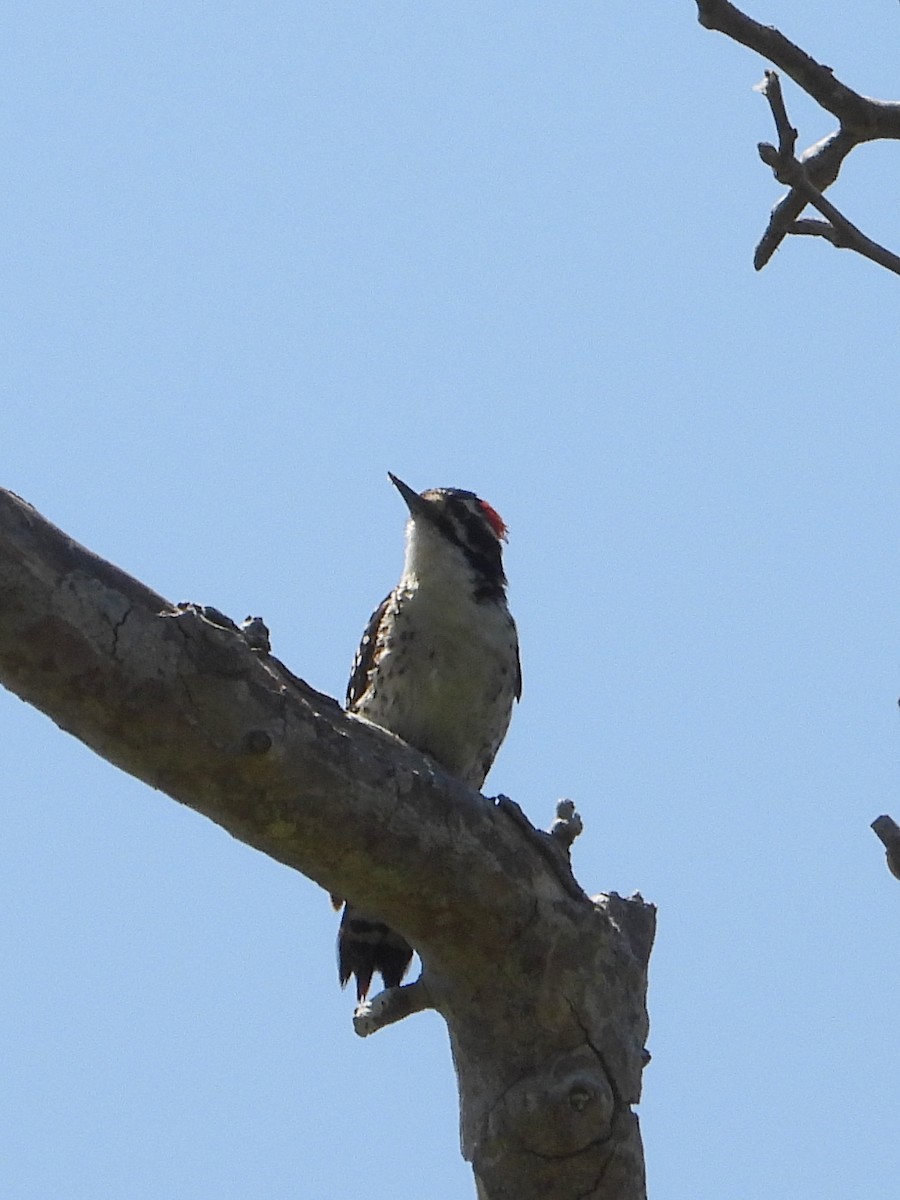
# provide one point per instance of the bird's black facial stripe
(479, 544)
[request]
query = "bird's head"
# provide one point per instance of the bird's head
(450, 526)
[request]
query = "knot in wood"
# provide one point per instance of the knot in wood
(580, 1097)
(560, 1110)
(257, 741)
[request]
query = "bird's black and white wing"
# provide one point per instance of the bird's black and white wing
(366, 658)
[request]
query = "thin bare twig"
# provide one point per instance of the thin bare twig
(811, 227)
(822, 164)
(391, 1005)
(787, 134)
(846, 235)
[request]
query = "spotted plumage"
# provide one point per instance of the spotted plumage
(438, 666)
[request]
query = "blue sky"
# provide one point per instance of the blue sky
(254, 257)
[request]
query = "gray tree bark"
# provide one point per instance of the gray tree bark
(543, 989)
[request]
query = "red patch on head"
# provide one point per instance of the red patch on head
(495, 521)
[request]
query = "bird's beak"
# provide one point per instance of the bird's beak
(414, 502)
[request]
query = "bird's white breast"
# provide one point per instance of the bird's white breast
(447, 675)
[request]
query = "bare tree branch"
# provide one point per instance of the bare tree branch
(858, 114)
(787, 134)
(391, 1006)
(810, 227)
(823, 164)
(861, 119)
(543, 989)
(788, 170)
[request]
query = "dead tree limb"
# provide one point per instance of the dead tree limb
(543, 989)
(860, 119)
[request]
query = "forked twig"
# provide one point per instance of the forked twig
(788, 170)
(861, 119)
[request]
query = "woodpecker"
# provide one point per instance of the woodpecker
(438, 665)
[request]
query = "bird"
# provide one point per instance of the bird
(439, 667)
